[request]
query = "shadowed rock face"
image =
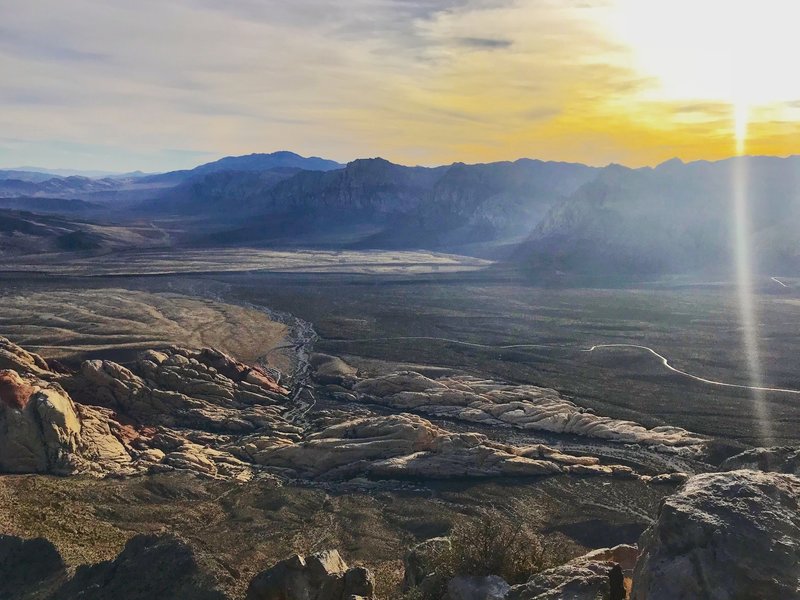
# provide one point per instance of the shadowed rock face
(732, 535)
(28, 567)
(149, 567)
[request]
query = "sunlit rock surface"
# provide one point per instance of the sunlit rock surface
(583, 578)
(723, 536)
(525, 407)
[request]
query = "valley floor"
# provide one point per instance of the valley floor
(425, 319)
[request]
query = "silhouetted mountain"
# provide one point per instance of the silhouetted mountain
(250, 162)
(675, 218)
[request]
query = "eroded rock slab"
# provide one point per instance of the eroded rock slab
(525, 407)
(407, 445)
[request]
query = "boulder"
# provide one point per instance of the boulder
(332, 370)
(321, 576)
(725, 536)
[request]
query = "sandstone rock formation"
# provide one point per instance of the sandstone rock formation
(175, 409)
(724, 536)
(583, 578)
(205, 412)
(407, 445)
(525, 407)
(43, 431)
(18, 359)
(321, 576)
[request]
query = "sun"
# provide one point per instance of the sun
(739, 52)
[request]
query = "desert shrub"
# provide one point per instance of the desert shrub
(493, 543)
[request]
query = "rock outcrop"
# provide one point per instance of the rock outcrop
(781, 459)
(43, 431)
(525, 407)
(407, 445)
(584, 578)
(175, 409)
(724, 536)
(205, 412)
(18, 359)
(321, 576)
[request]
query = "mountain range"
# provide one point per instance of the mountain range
(541, 216)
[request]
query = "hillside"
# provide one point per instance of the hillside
(675, 218)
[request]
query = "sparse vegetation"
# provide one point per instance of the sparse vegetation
(492, 543)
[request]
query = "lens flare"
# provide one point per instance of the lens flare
(744, 276)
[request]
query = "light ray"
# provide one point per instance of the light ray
(744, 276)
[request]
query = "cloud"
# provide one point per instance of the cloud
(427, 81)
(486, 43)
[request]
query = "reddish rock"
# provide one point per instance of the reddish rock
(14, 391)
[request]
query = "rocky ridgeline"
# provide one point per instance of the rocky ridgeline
(722, 536)
(205, 412)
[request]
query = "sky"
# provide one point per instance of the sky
(156, 85)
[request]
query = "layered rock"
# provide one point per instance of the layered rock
(525, 407)
(18, 359)
(724, 535)
(321, 576)
(407, 445)
(43, 431)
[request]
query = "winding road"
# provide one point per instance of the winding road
(663, 359)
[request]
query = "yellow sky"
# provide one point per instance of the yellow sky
(157, 85)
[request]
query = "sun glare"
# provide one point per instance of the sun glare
(735, 51)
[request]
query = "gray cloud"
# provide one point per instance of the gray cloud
(485, 43)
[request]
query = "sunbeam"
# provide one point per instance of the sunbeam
(744, 276)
